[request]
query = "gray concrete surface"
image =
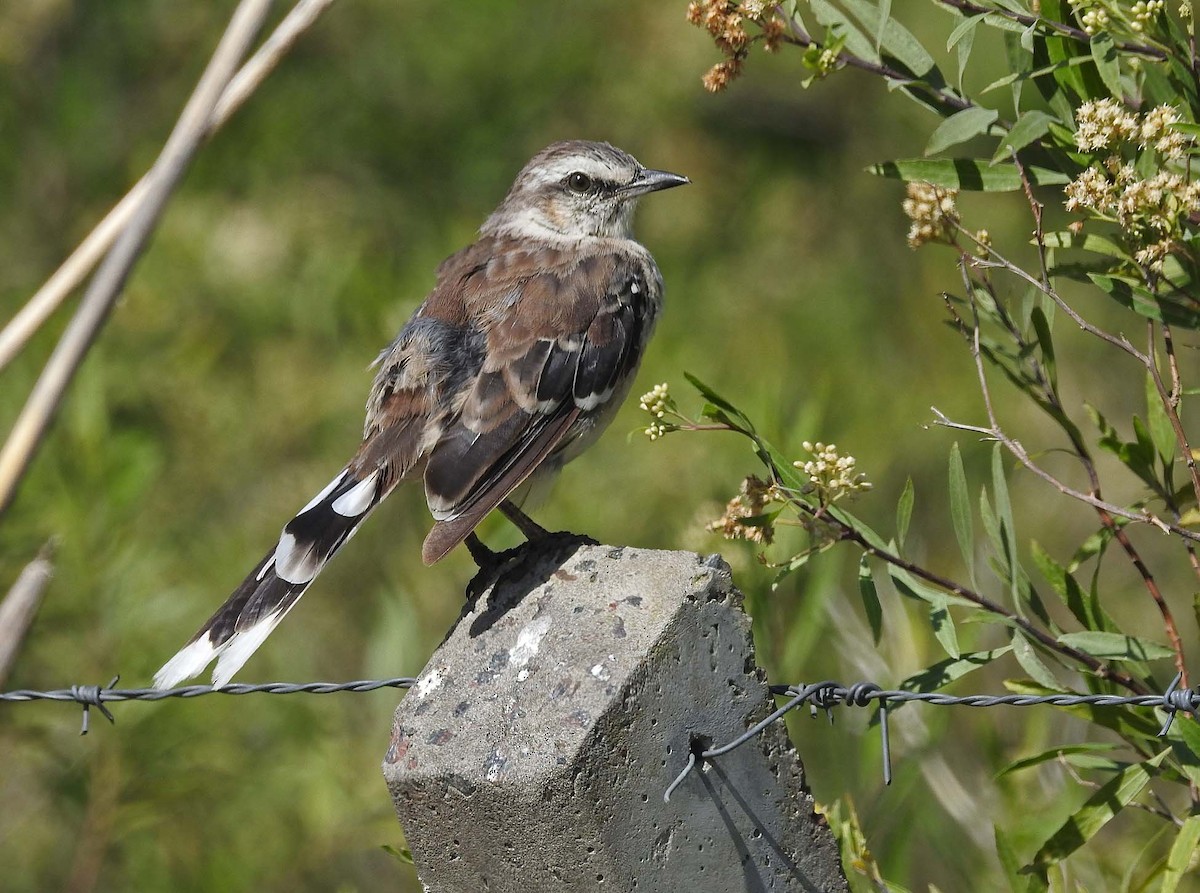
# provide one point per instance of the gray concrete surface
(533, 753)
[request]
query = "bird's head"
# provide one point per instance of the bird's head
(577, 189)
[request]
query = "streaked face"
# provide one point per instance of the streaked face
(577, 189)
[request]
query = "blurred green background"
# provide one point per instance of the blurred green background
(230, 382)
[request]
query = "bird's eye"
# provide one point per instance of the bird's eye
(579, 182)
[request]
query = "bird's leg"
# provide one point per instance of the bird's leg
(537, 535)
(532, 530)
(481, 554)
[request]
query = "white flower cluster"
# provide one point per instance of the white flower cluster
(658, 402)
(932, 211)
(1144, 12)
(1098, 15)
(1151, 211)
(1103, 123)
(831, 474)
(1095, 19)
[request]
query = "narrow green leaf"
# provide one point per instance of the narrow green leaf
(870, 598)
(842, 25)
(862, 527)
(1041, 327)
(943, 627)
(896, 40)
(1053, 754)
(904, 512)
(962, 30)
(1089, 614)
(960, 127)
(944, 672)
(1100, 808)
(1021, 75)
(1092, 242)
(1027, 38)
(1115, 646)
(1184, 739)
(792, 565)
(910, 586)
(1091, 547)
(1183, 850)
(1019, 63)
(885, 14)
(1161, 432)
(960, 511)
(1029, 127)
(1179, 312)
(1104, 54)
(1083, 81)
(962, 41)
(970, 174)
(1094, 762)
(710, 395)
(1008, 532)
(1018, 880)
(1030, 662)
(990, 523)
(1144, 445)
(399, 854)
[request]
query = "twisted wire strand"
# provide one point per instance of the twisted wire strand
(98, 695)
(829, 694)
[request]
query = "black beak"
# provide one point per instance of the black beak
(653, 181)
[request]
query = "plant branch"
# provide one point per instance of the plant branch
(1060, 28)
(1097, 666)
(799, 37)
(1085, 457)
(101, 294)
(1120, 342)
(87, 254)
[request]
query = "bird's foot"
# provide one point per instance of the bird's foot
(497, 567)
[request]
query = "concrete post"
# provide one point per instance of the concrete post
(533, 753)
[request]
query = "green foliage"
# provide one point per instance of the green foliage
(1099, 98)
(229, 383)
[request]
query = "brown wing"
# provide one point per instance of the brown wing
(562, 331)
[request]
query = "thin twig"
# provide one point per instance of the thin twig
(101, 294)
(1018, 451)
(84, 258)
(21, 605)
(1120, 342)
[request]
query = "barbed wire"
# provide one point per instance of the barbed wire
(827, 695)
(98, 695)
(819, 695)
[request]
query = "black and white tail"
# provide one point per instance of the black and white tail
(248, 616)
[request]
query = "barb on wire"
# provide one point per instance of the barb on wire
(827, 695)
(98, 695)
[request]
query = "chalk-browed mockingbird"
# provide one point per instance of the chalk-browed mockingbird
(512, 366)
